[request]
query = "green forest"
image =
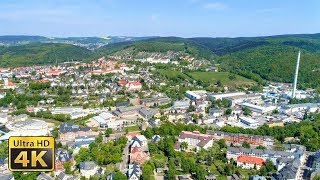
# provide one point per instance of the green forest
(39, 54)
(270, 58)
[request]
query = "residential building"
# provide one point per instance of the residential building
(44, 176)
(138, 156)
(250, 162)
(287, 169)
(147, 113)
(195, 140)
(133, 86)
(134, 171)
(89, 168)
(68, 132)
(62, 156)
(139, 141)
(215, 112)
(238, 139)
(156, 101)
(127, 111)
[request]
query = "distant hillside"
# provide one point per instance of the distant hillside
(36, 54)
(160, 45)
(275, 60)
(271, 57)
(223, 46)
(87, 42)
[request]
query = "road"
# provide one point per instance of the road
(306, 166)
(125, 159)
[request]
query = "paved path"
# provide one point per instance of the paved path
(125, 159)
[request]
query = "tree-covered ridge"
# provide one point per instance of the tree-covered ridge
(161, 45)
(272, 58)
(37, 54)
(276, 63)
(223, 46)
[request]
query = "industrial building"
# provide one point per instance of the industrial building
(258, 109)
(226, 95)
(196, 95)
(248, 121)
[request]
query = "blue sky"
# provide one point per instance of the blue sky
(185, 18)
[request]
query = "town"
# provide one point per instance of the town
(116, 119)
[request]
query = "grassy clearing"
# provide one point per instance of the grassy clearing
(169, 73)
(213, 77)
(133, 128)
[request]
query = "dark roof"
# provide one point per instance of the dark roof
(63, 155)
(135, 170)
(135, 139)
(120, 104)
(156, 138)
(69, 127)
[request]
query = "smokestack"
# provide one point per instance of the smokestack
(295, 80)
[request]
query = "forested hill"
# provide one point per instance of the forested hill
(38, 53)
(161, 45)
(270, 57)
(273, 58)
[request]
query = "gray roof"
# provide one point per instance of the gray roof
(64, 176)
(44, 176)
(260, 152)
(69, 127)
(87, 165)
(148, 111)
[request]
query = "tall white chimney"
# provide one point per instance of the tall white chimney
(295, 80)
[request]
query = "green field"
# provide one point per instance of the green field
(133, 128)
(213, 77)
(173, 74)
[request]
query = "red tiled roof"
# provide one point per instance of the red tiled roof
(135, 83)
(135, 149)
(194, 135)
(10, 83)
(132, 134)
(250, 160)
(123, 82)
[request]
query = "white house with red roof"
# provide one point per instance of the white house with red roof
(54, 72)
(195, 140)
(133, 86)
(249, 162)
(8, 84)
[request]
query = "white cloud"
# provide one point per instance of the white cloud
(215, 6)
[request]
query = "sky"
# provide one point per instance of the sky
(183, 18)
